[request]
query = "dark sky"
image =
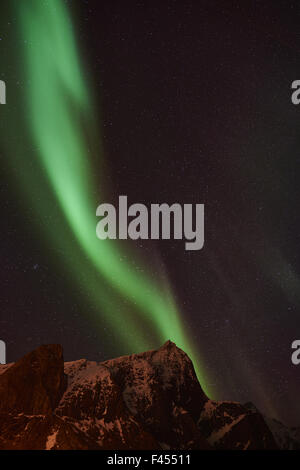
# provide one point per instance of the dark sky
(195, 105)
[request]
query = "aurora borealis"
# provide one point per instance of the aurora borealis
(186, 102)
(59, 115)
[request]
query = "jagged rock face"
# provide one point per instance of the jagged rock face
(149, 394)
(93, 403)
(34, 384)
(151, 400)
(24, 432)
(286, 438)
(161, 390)
(229, 425)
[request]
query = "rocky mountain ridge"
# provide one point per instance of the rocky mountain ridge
(151, 400)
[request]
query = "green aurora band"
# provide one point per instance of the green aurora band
(58, 137)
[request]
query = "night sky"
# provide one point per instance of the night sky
(194, 100)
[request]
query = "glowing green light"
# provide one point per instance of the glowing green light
(57, 118)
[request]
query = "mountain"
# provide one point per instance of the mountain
(151, 400)
(287, 438)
